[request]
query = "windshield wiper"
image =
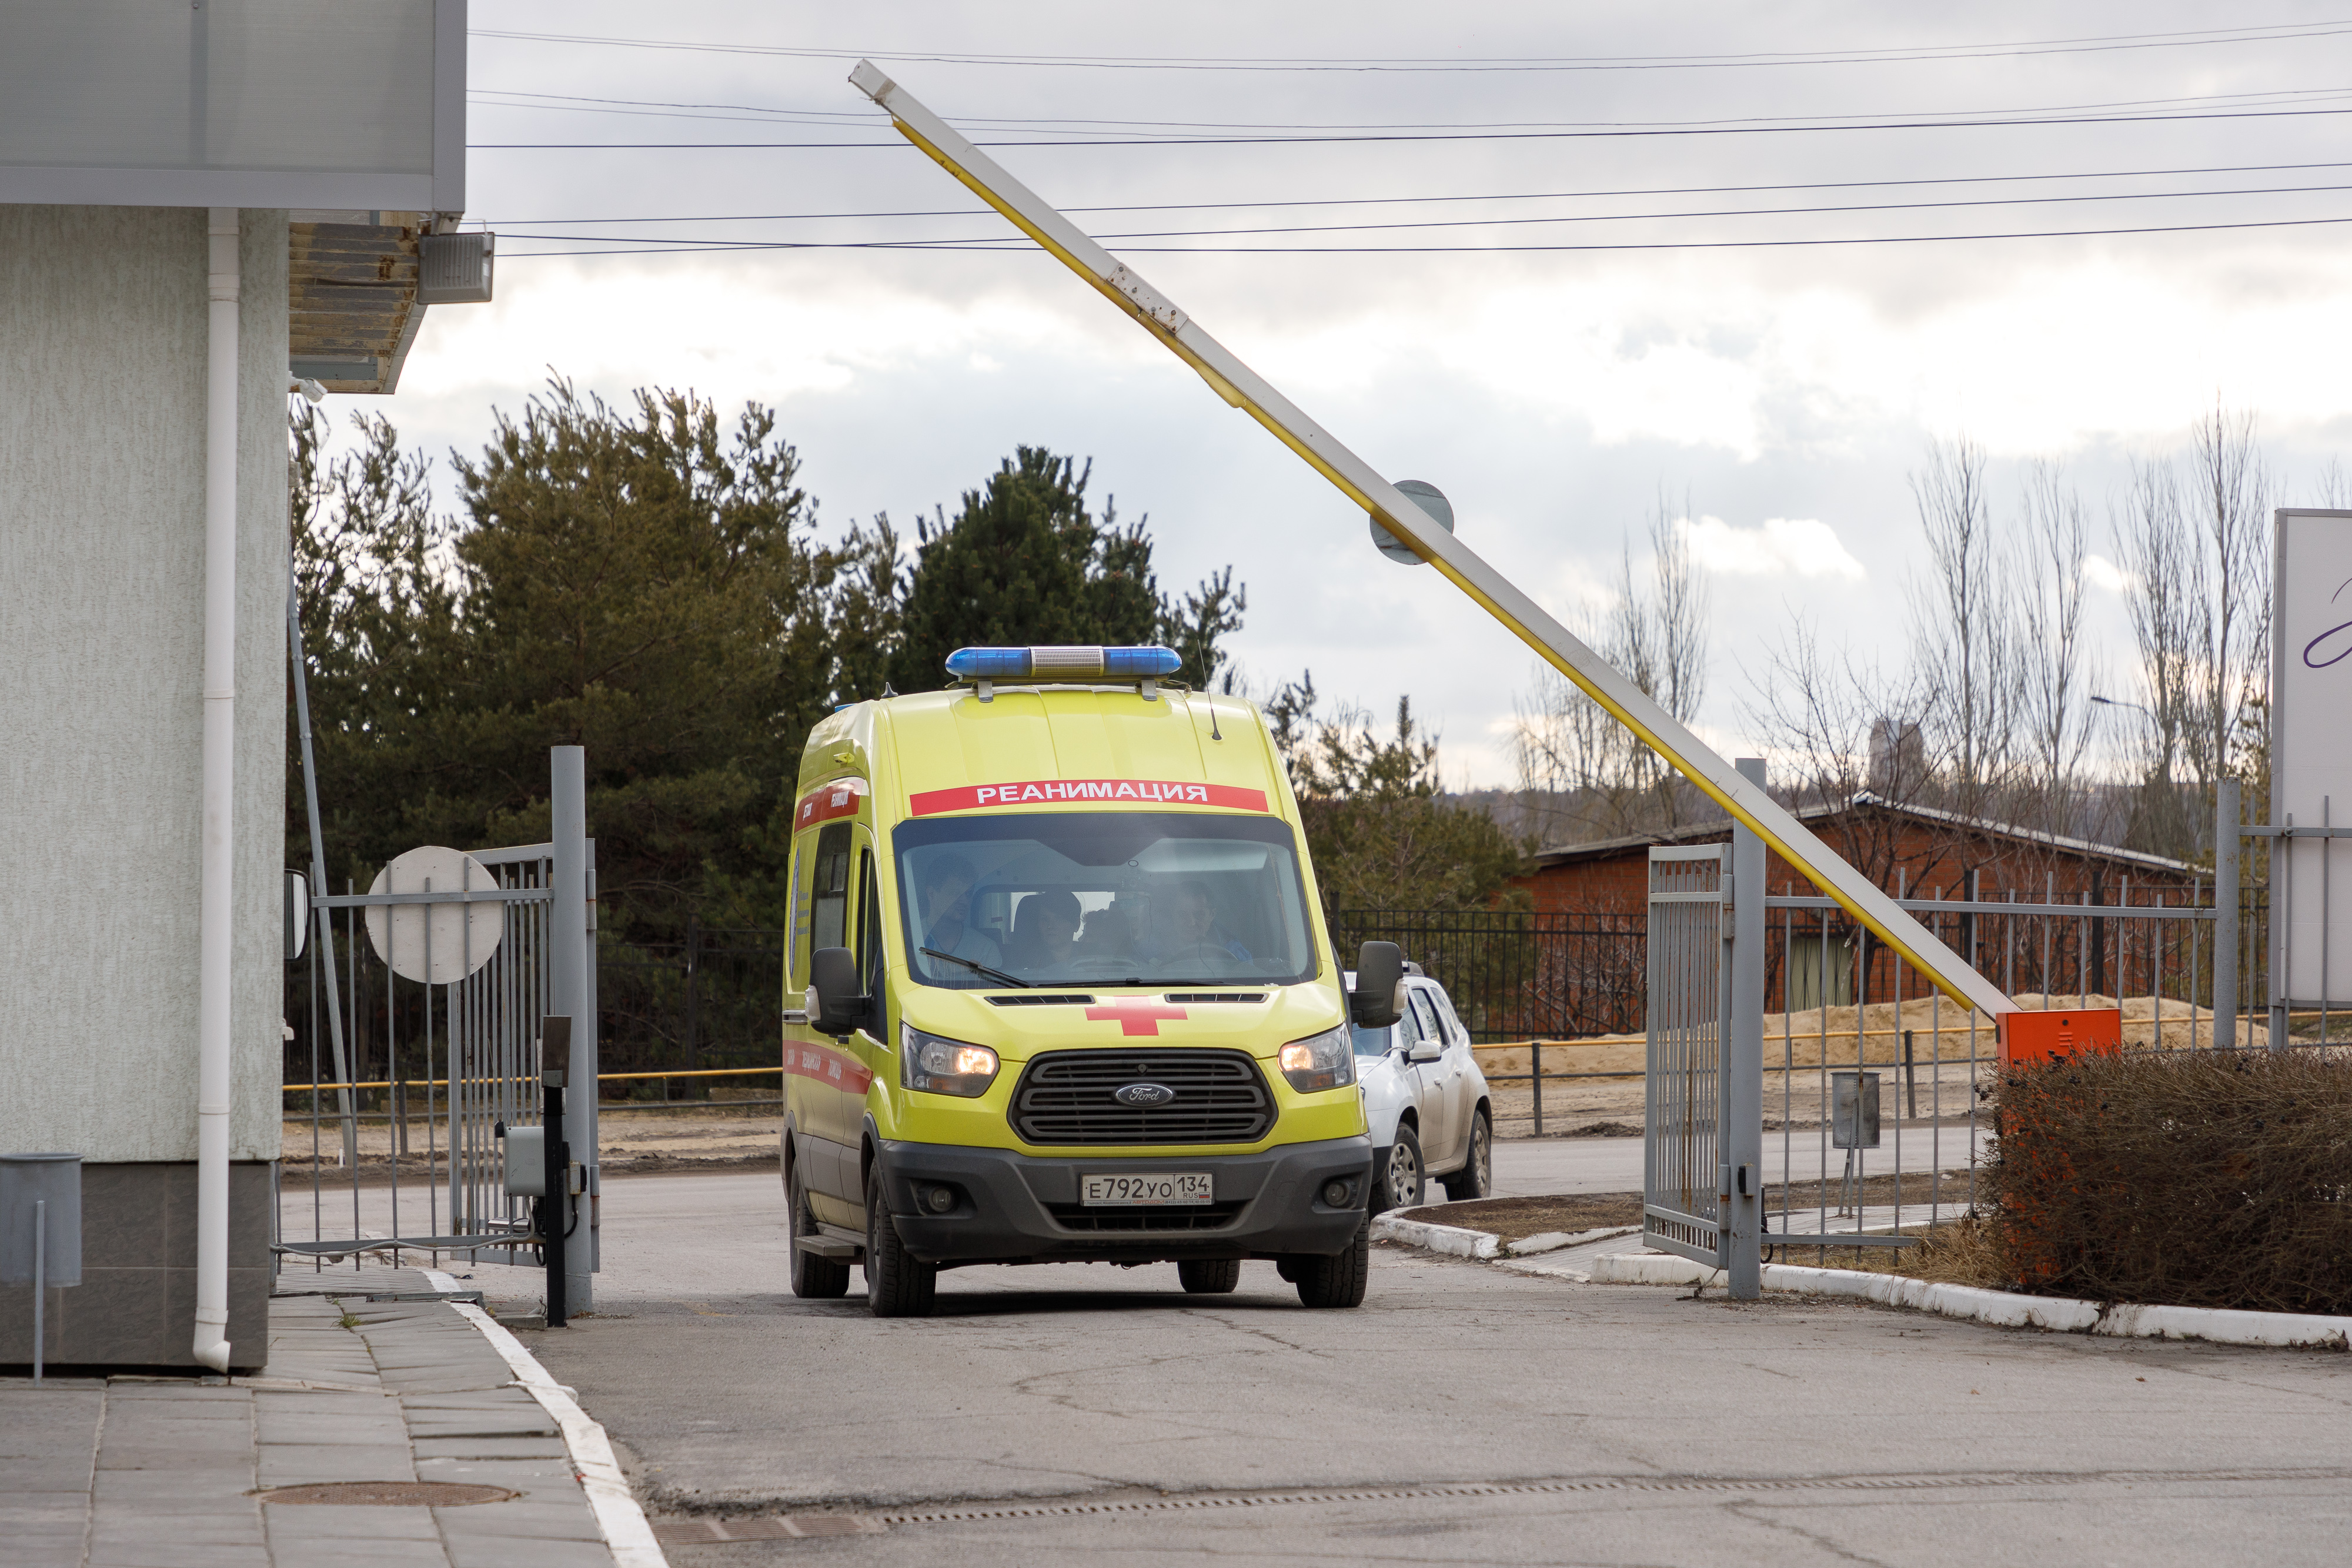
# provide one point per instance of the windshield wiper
(978, 969)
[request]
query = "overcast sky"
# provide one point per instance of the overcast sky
(1553, 395)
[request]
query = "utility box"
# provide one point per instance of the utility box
(1853, 1109)
(2053, 1036)
(455, 269)
(526, 1162)
(53, 1182)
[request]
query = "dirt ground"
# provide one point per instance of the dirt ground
(1612, 1107)
(635, 1140)
(1516, 1218)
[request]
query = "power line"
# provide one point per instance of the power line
(1045, 126)
(2099, 44)
(1017, 239)
(1499, 197)
(722, 248)
(1611, 132)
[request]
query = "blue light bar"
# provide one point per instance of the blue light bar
(1062, 663)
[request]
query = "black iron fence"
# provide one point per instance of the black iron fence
(1515, 975)
(709, 1000)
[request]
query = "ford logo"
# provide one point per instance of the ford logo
(1143, 1096)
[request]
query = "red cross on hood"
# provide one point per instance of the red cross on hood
(1135, 1015)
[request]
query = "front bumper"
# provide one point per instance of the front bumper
(1011, 1208)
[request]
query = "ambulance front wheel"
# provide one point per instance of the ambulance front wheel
(1336, 1281)
(813, 1278)
(898, 1284)
(1210, 1277)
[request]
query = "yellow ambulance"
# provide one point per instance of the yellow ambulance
(1058, 989)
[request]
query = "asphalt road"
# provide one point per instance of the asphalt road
(1075, 1415)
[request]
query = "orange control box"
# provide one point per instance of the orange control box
(2050, 1035)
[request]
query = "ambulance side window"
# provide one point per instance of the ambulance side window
(869, 926)
(829, 893)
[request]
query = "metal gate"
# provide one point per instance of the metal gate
(1702, 1149)
(1683, 1152)
(429, 997)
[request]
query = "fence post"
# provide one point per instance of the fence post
(2225, 915)
(1535, 1077)
(693, 975)
(570, 980)
(1742, 1198)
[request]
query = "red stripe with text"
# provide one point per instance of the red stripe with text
(1061, 791)
(838, 799)
(828, 1067)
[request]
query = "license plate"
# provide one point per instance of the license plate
(1149, 1188)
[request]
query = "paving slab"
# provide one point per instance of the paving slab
(162, 1472)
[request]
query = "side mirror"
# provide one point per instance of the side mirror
(298, 914)
(836, 1003)
(1380, 974)
(1424, 1051)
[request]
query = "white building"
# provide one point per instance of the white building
(196, 200)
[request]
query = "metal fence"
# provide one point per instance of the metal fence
(1874, 1084)
(1515, 975)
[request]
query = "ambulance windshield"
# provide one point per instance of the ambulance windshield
(1107, 897)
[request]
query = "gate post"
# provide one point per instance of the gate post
(1741, 1190)
(571, 980)
(2225, 919)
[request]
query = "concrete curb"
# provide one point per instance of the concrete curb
(1557, 1241)
(1450, 1240)
(2003, 1309)
(627, 1534)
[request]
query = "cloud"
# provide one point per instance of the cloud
(1782, 547)
(2102, 573)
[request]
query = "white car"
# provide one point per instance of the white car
(1426, 1102)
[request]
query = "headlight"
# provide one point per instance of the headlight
(938, 1066)
(1326, 1061)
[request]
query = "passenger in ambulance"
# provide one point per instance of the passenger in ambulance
(1108, 933)
(946, 895)
(1044, 932)
(1187, 924)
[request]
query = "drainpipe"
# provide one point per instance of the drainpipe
(215, 949)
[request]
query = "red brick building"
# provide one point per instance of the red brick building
(1914, 852)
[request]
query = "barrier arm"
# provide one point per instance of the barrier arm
(1245, 388)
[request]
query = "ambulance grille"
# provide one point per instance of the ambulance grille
(1064, 1098)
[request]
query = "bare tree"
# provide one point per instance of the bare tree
(1962, 644)
(2159, 562)
(1577, 764)
(1836, 730)
(2056, 672)
(2233, 504)
(2197, 556)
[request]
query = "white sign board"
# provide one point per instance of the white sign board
(437, 943)
(2311, 756)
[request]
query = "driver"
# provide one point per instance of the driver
(1188, 920)
(946, 895)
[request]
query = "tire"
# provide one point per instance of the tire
(1337, 1281)
(1401, 1181)
(814, 1279)
(896, 1285)
(1477, 1176)
(1214, 1277)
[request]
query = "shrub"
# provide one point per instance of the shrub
(2211, 1179)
